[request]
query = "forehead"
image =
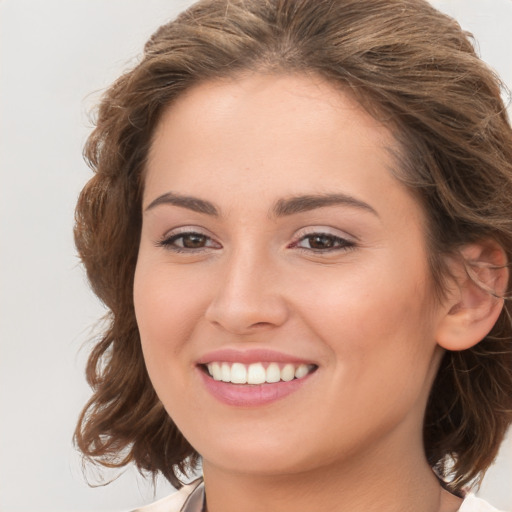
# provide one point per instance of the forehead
(274, 136)
(260, 105)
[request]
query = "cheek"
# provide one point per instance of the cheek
(368, 299)
(166, 313)
(167, 299)
(164, 320)
(377, 320)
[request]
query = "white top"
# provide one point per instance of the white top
(474, 504)
(190, 498)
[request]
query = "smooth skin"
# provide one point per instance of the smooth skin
(230, 258)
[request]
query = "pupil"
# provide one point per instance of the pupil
(193, 241)
(320, 242)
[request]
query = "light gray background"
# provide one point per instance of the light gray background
(54, 57)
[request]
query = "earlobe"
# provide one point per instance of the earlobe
(475, 298)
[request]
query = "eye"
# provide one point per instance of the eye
(189, 241)
(323, 242)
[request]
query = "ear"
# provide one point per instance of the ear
(475, 297)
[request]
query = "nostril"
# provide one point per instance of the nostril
(261, 324)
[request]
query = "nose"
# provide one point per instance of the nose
(249, 296)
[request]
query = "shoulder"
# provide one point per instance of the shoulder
(473, 504)
(174, 502)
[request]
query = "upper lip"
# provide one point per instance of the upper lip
(250, 356)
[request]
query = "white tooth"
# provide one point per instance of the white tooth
(215, 371)
(288, 372)
(209, 368)
(238, 374)
(225, 371)
(301, 371)
(273, 373)
(256, 374)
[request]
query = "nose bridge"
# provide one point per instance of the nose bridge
(248, 294)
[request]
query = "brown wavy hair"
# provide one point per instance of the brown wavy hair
(411, 67)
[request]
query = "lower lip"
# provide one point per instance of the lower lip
(251, 395)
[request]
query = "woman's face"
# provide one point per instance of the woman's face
(277, 247)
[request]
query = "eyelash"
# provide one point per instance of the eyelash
(169, 242)
(338, 243)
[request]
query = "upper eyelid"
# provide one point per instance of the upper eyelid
(345, 242)
(168, 243)
(297, 236)
(179, 231)
(324, 230)
(183, 230)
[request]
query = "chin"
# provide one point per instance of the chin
(264, 457)
(255, 463)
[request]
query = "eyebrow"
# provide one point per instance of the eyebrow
(190, 203)
(282, 208)
(305, 203)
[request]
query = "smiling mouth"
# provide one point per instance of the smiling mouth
(257, 373)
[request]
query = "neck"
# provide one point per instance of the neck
(372, 483)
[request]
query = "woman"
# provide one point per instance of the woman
(301, 223)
